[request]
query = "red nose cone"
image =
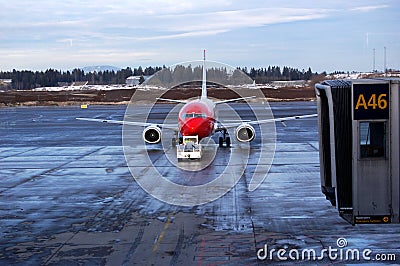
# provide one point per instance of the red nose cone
(197, 127)
(191, 127)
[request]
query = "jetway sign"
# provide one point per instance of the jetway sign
(375, 219)
(371, 101)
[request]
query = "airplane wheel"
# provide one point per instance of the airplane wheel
(221, 141)
(228, 142)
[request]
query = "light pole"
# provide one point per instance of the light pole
(373, 61)
(384, 60)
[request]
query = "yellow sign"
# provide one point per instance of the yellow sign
(84, 106)
(372, 102)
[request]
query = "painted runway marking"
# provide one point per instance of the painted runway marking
(202, 247)
(160, 238)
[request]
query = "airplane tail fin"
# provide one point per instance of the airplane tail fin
(204, 83)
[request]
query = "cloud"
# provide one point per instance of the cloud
(181, 35)
(368, 8)
(90, 25)
(230, 20)
(68, 31)
(212, 23)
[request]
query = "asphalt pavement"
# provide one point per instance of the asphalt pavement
(67, 197)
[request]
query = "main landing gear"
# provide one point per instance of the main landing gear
(224, 138)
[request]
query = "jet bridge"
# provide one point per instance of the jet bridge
(358, 124)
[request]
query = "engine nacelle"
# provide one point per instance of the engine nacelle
(245, 133)
(152, 134)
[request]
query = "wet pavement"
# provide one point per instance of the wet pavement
(67, 197)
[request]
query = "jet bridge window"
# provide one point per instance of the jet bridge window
(372, 139)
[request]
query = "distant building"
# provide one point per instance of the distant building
(79, 83)
(6, 81)
(292, 83)
(5, 84)
(62, 84)
(133, 80)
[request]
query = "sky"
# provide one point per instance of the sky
(329, 35)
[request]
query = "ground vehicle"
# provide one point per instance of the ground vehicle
(190, 148)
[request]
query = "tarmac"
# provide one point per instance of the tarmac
(67, 197)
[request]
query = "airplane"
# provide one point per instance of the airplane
(197, 118)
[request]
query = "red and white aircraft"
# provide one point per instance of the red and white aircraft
(198, 118)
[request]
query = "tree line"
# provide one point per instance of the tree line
(26, 79)
(274, 73)
(182, 75)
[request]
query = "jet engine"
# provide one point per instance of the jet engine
(245, 133)
(152, 134)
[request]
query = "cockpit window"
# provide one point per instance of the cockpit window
(194, 115)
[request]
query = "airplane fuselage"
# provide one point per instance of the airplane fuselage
(197, 118)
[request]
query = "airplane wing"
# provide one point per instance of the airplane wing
(234, 100)
(172, 100)
(131, 123)
(258, 122)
